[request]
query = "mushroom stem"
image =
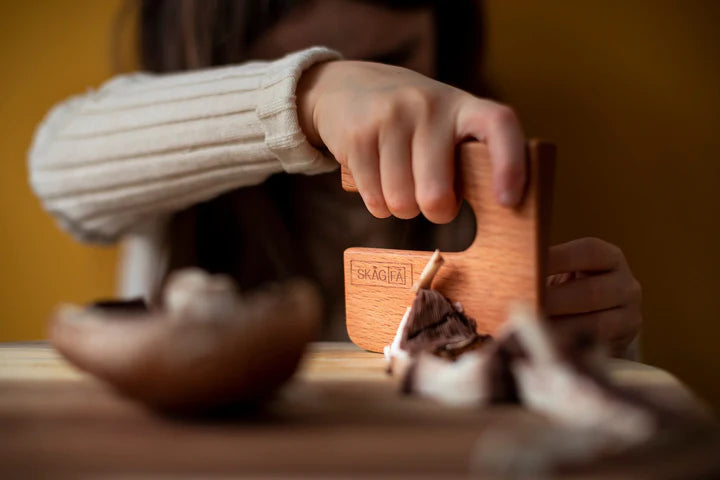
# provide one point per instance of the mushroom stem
(428, 274)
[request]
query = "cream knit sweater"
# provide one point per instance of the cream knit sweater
(114, 160)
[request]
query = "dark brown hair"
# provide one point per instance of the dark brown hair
(186, 34)
(258, 244)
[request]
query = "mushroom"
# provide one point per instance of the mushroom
(559, 373)
(432, 324)
(524, 363)
(192, 294)
(207, 348)
(456, 383)
(478, 376)
(556, 373)
(571, 392)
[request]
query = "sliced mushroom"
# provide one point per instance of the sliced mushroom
(432, 324)
(397, 358)
(571, 395)
(526, 364)
(435, 325)
(458, 383)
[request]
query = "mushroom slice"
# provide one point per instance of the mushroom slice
(553, 384)
(481, 376)
(435, 325)
(462, 382)
(209, 348)
(397, 358)
(432, 324)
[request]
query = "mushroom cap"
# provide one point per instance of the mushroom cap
(172, 362)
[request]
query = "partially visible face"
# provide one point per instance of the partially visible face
(360, 31)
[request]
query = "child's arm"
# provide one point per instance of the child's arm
(144, 145)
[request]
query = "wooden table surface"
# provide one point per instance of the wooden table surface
(340, 414)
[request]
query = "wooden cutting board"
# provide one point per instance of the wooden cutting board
(341, 416)
(504, 263)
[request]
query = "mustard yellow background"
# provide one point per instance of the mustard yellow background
(48, 50)
(629, 90)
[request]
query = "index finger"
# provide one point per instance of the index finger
(499, 128)
(584, 255)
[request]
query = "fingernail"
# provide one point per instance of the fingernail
(507, 198)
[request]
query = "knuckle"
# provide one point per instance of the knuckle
(374, 201)
(402, 206)
(592, 244)
(417, 100)
(597, 248)
(412, 95)
(358, 136)
(437, 203)
(389, 111)
(615, 252)
(375, 204)
(503, 115)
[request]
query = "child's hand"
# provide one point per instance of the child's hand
(591, 284)
(396, 130)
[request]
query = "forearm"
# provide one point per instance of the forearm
(145, 145)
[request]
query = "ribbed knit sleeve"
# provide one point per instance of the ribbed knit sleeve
(145, 145)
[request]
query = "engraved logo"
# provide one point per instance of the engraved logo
(381, 274)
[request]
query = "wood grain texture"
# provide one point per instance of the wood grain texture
(504, 264)
(341, 415)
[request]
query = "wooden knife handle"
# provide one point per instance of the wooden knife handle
(347, 180)
(467, 169)
(504, 264)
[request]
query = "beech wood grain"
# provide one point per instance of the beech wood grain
(504, 264)
(340, 416)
